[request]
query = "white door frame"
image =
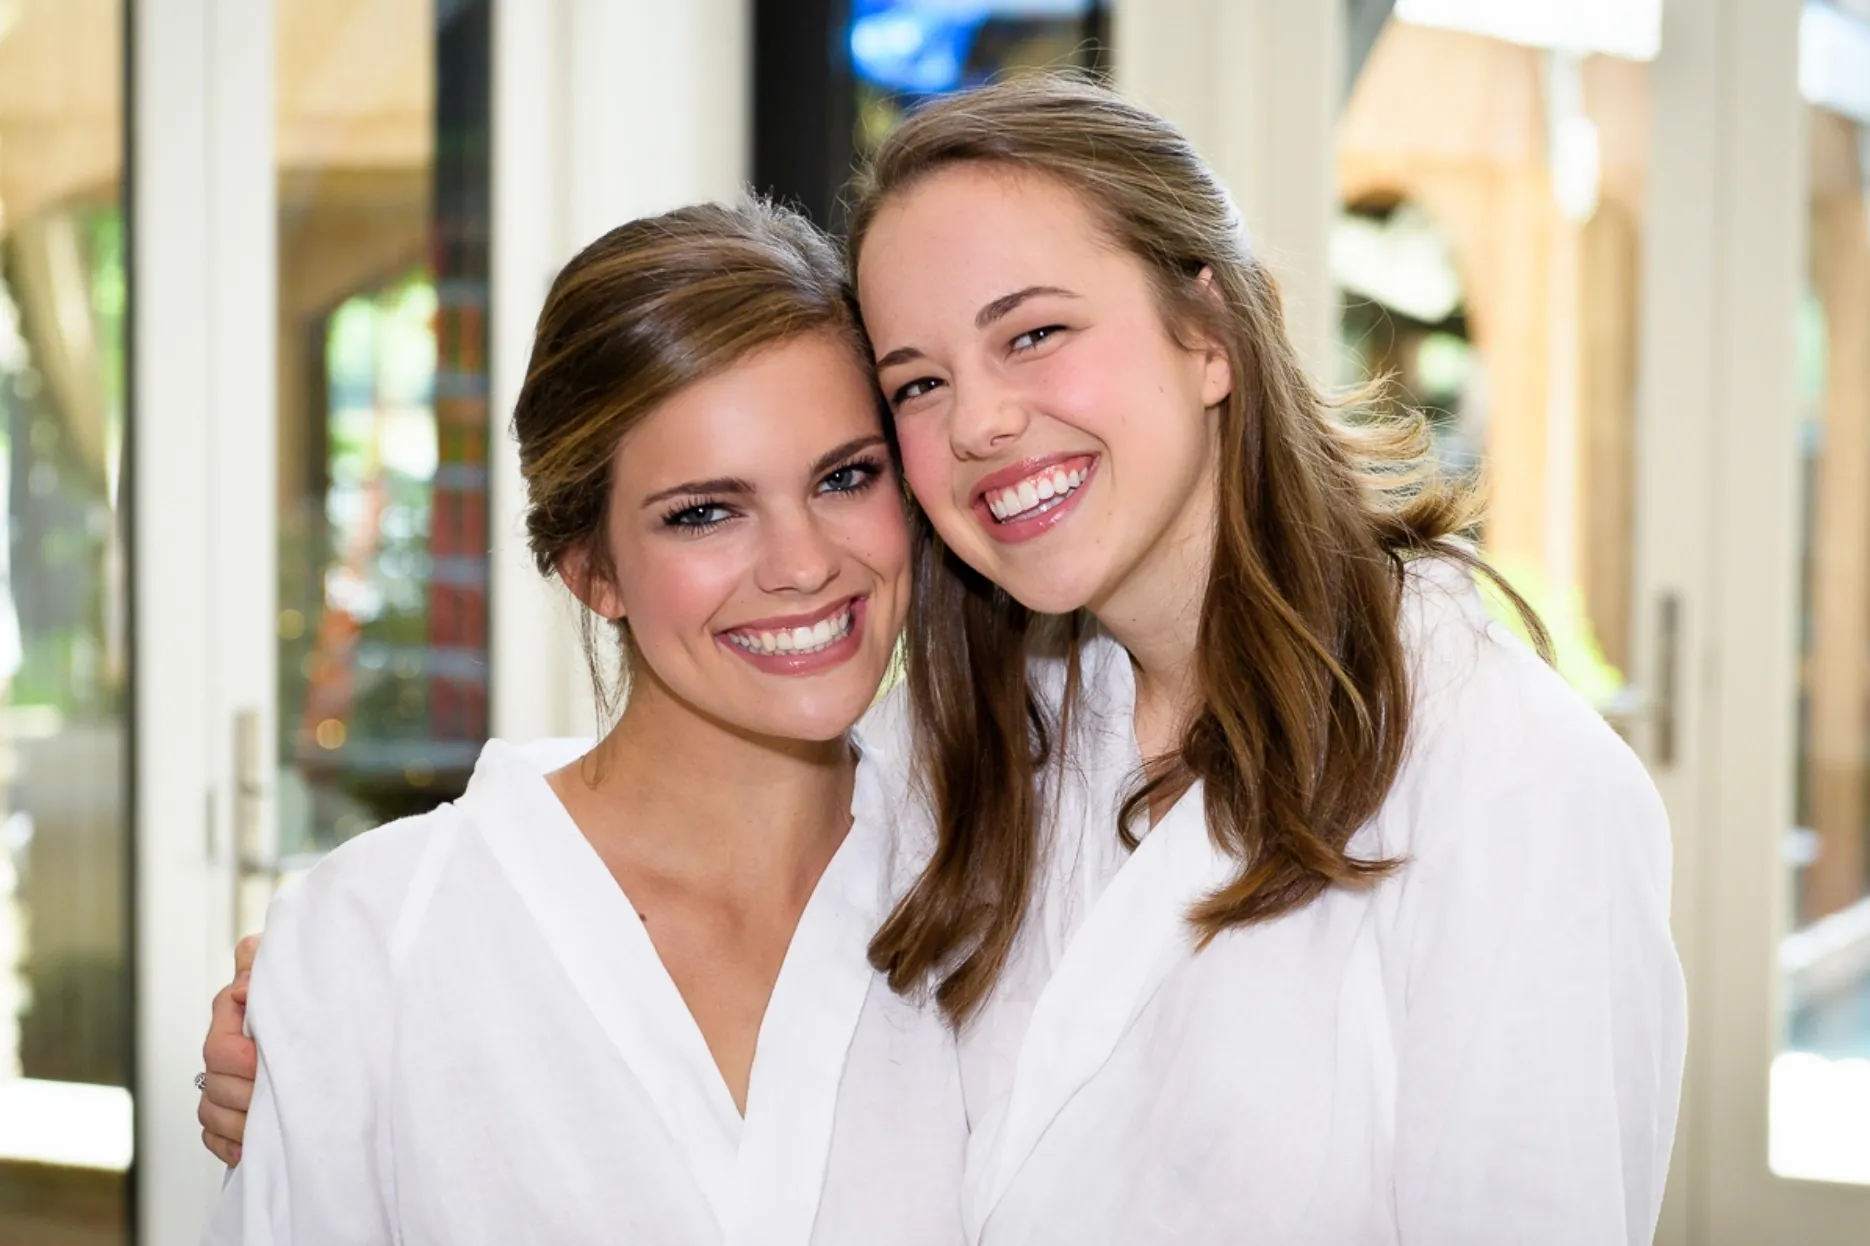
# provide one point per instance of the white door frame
(1719, 503)
(202, 236)
(201, 519)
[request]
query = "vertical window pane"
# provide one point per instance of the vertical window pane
(1821, 1078)
(1488, 251)
(65, 1115)
(383, 108)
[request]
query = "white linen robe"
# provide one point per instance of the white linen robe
(466, 1037)
(1485, 1048)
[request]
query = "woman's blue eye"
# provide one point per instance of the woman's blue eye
(851, 477)
(1026, 341)
(697, 518)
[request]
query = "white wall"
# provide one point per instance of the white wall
(1255, 84)
(604, 110)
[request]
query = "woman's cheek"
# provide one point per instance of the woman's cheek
(875, 533)
(683, 587)
(927, 465)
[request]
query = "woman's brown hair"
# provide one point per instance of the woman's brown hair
(645, 311)
(1303, 679)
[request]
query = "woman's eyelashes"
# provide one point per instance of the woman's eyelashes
(913, 390)
(853, 477)
(1032, 339)
(695, 517)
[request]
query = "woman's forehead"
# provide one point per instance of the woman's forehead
(775, 412)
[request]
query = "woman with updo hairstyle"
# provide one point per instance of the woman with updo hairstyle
(1276, 893)
(618, 991)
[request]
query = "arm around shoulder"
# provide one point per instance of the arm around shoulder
(321, 1008)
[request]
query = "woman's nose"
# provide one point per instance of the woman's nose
(799, 555)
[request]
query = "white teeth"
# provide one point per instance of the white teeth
(1051, 487)
(796, 639)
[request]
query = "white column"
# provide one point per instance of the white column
(525, 627)
(604, 110)
(1257, 86)
(202, 537)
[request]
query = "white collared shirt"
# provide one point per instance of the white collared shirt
(466, 1037)
(1484, 1048)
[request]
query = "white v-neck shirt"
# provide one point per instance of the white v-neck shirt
(1485, 1048)
(466, 1037)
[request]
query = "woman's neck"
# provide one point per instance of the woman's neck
(749, 819)
(1155, 614)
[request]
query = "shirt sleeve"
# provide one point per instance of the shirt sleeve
(1543, 1018)
(315, 1165)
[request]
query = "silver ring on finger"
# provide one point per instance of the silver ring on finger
(201, 1081)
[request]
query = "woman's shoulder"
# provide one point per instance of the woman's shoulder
(363, 886)
(369, 883)
(1490, 721)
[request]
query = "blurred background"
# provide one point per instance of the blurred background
(268, 270)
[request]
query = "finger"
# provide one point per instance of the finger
(244, 952)
(230, 1055)
(227, 1152)
(228, 1127)
(232, 1093)
(237, 990)
(229, 1014)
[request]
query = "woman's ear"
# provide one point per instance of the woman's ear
(1217, 376)
(579, 573)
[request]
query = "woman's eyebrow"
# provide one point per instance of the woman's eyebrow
(690, 488)
(1005, 305)
(832, 457)
(734, 484)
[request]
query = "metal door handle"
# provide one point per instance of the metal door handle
(1668, 657)
(256, 871)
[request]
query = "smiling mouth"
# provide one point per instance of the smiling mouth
(1044, 490)
(801, 640)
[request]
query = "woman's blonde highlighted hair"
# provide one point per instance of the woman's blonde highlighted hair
(644, 312)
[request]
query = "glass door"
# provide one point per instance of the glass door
(1820, 1082)
(66, 1118)
(383, 421)
(1492, 164)
(1752, 624)
(309, 435)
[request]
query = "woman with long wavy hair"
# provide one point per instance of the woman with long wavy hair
(1276, 894)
